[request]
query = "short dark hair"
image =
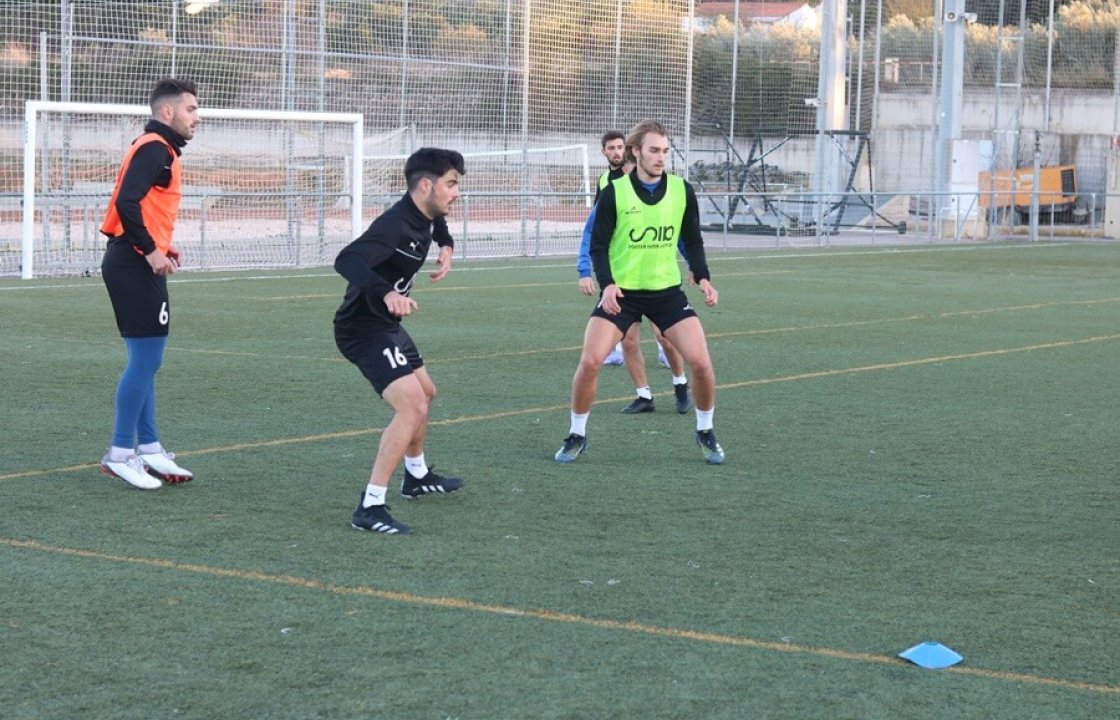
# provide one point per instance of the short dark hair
(611, 135)
(170, 88)
(431, 163)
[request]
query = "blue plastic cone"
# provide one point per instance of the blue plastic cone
(931, 655)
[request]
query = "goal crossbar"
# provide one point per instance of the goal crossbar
(580, 148)
(30, 139)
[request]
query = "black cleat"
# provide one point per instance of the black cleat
(572, 447)
(713, 453)
(640, 405)
(376, 518)
(430, 484)
(684, 398)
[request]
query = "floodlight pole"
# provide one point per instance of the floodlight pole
(952, 93)
(831, 111)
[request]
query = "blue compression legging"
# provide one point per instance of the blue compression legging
(136, 392)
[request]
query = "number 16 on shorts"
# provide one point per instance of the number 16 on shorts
(395, 357)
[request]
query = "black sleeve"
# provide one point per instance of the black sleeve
(692, 239)
(150, 166)
(356, 261)
(601, 232)
(441, 234)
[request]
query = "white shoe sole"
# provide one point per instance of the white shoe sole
(165, 468)
(138, 480)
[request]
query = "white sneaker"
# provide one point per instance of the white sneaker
(162, 465)
(132, 471)
(661, 356)
(615, 358)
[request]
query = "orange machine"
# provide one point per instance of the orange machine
(1057, 191)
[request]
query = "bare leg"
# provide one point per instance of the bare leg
(676, 361)
(632, 353)
(409, 401)
(598, 339)
(688, 338)
(416, 446)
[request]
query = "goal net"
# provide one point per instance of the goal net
(530, 201)
(260, 188)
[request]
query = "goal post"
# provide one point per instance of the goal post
(254, 180)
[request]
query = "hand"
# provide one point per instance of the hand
(586, 286)
(173, 255)
(160, 263)
(711, 296)
(399, 305)
(443, 262)
(691, 278)
(609, 301)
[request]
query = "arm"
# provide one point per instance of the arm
(691, 244)
(150, 166)
(601, 231)
(442, 235)
(356, 261)
(583, 265)
(692, 247)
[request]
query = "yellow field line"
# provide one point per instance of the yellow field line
(425, 289)
(918, 361)
(452, 603)
(556, 408)
(572, 348)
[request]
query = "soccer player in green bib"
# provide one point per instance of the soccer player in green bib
(639, 219)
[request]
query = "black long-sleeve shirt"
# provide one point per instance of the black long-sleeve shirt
(606, 215)
(386, 257)
(150, 166)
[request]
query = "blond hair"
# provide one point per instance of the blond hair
(638, 133)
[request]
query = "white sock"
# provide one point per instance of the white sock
(579, 423)
(704, 418)
(150, 448)
(119, 454)
(416, 466)
(375, 495)
(618, 348)
(680, 380)
(644, 392)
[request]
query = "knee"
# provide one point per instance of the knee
(702, 366)
(416, 412)
(588, 368)
(632, 337)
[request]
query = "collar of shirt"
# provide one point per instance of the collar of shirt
(177, 141)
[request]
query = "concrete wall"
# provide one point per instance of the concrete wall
(1081, 128)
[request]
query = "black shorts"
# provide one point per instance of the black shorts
(382, 355)
(664, 308)
(139, 296)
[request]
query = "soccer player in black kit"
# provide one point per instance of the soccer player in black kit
(381, 267)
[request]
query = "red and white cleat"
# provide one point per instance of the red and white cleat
(132, 471)
(163, 466)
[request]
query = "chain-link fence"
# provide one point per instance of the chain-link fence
(525, 87)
